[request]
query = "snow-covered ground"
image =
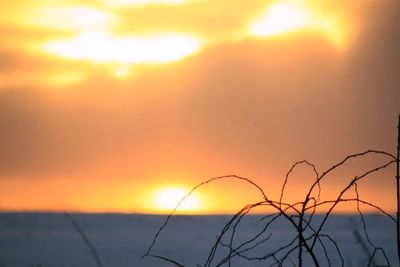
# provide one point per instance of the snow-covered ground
(50, 240)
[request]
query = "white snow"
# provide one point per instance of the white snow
(30, 239)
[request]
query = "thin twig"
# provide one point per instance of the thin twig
(85, 239)
(306, 236)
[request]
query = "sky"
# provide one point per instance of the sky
(121, 106)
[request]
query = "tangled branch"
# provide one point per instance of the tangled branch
(308, 234)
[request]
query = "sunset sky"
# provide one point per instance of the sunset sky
(123, 105)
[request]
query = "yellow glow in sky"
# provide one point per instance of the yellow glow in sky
(74, 18)
(294, 16)
(121, 72)
(65, 78)
(282, 18)
(166, 199)
(99, 33)
(103, 48)
(144, 2)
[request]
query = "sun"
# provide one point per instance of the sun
(166, 199)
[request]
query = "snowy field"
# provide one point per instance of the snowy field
(51, 240)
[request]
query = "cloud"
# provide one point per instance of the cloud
(249, 105)
(103, 48)
(125, 3)
(252, 102)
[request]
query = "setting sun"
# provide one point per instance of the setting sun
(167, 199)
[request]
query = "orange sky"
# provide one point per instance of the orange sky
(124, 105)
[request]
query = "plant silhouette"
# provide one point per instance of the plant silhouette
(308, 231)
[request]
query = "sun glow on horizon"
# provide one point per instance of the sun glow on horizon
(167, 198)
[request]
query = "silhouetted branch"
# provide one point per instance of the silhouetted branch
(191, 191)
(166, 259)
(85, 239)
(299, 215)
(352, 182)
